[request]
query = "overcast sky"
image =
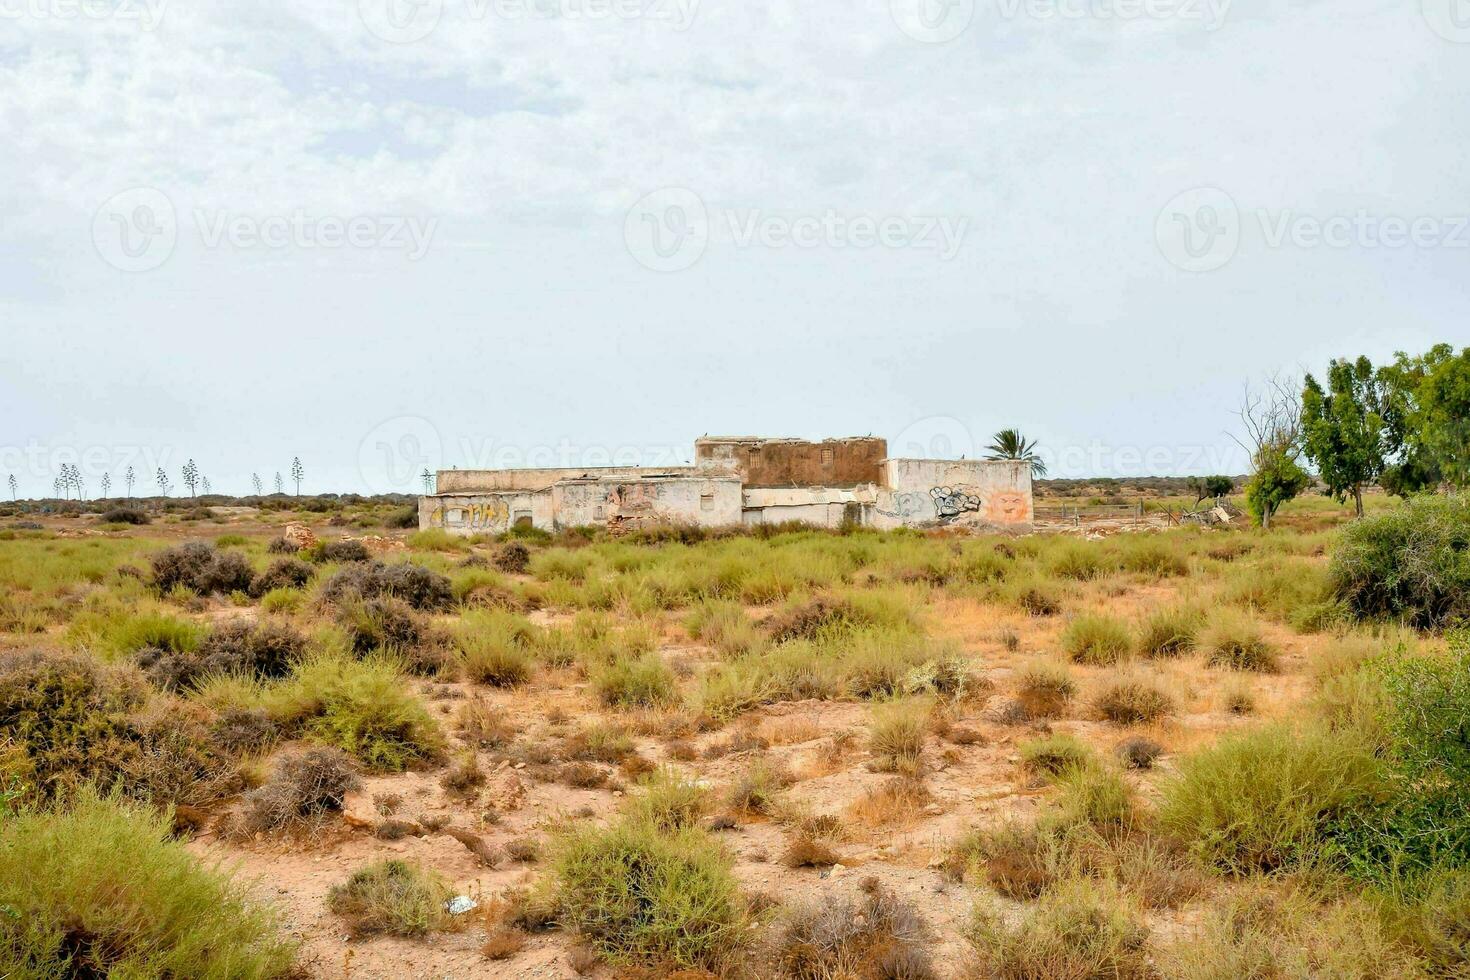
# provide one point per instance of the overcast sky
(383, 237)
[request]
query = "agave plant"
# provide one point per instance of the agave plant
(1010, 444)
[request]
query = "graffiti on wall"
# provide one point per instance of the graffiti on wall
(1007, 507)
(487, 515)
(950, 503)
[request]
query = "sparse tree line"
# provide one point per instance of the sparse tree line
(69, 483)
(1403, 426)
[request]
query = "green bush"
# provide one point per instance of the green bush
(1095, 640)
(1411, 563)
(362, 707)
(1080, 930)
(495, 648)
(630, 682)
(394, 897)
(1266, 799)
(638, 894)
(100, 890)
(68, 721)
(1169, 632)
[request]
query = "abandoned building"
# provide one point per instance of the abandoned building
(741, 480)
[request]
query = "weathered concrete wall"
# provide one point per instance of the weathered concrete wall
(467, 481)
(820, 506)
(794, 462)
(710, 501)
(486, 513)
(929, 492)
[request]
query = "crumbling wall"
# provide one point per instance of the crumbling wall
(470, 481)
(795, 462)
(819, 506)
(487, 513)
(938, 492)
(709, 501)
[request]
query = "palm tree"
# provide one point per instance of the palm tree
(1010, 444)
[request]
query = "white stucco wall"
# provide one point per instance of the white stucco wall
(929, 492)
(709, 501)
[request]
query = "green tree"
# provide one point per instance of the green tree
(1342, 428)
(1010, 444)
(1426, 410)
(1272, 417)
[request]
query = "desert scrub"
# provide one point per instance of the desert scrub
(669, 801)
(880, 935)
(115, 631)
(1055, 754)
(724, 626)
(363, 707)
(304, 786)
(644, 682)
(1132, 700)
(100, 889)
(262, 650)
(1096, 797)
(1169, 632)
(1237, 643)
(637, 894)
(420, 587)
(1410, 564)
(1079, 929)
(495, 648)
(1264, 799)
(1154, 558)
(896, 733)
(69, 721)
(398, 898)
(1081, 561)
(1281, 587)
(1045, 688)
(200, 568)
(1017, 859)
(1095, 640)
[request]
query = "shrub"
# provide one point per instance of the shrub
(1169, 632)
(394, 897)
(1045, 689)
(879, 936)
(262, 650)
(281, 546)
(304, 786)
(1017, 859)
(1238, 644)
(1083, 562)
(99, 889)
(896, 736)
(1411, 563)
(1153, 558)
(202, 569)
(638, 894)
(283, 573)
(69, 721)
(758, 788)
(1096, 797)
(381, 623)
(363, 708)
(1054, 754)
(1081, 929)
(1139, 753)
(1038, 599)
(1095, 640)
(512, 557)
(669, 801)
(1133, 700)
(340, 550)
(125, 515)
(495, 648)
(1263, 800)
(415, 585)
(629, 682)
